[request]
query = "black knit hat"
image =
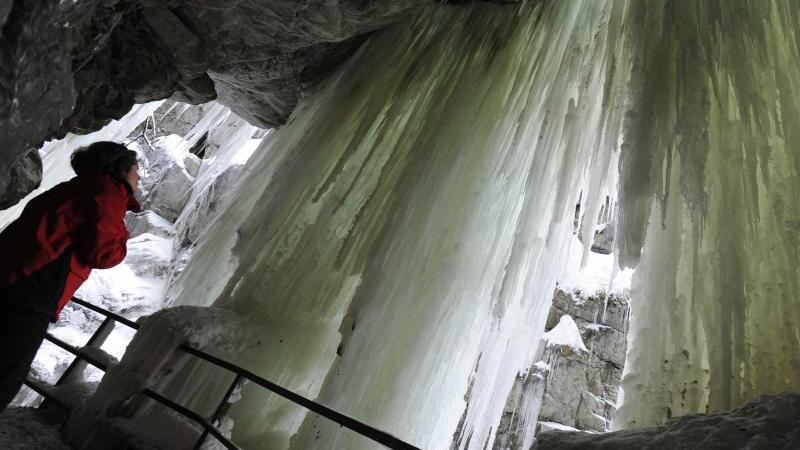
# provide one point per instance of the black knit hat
(104, 158)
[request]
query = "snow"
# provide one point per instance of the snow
(29, 429)
(174, 147)
(56, 154)
(247, 150)
(136, 287)
(549, 426)
(565, 333)
(595, 326)
(599, 274)
(152, 357)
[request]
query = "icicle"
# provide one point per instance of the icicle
(709, 184)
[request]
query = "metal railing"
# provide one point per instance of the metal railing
(241, 375)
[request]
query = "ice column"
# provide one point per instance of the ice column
(709, 200)
(402, 233)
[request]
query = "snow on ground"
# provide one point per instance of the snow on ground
(120, 290)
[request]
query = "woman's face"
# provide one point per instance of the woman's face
(133, 177)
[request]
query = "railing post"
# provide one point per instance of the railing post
(76, 368)
(221, 409)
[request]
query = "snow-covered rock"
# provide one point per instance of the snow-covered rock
(171, 194)
(149, 256)
(171, 171)
(565, 334)
(586, 369)
(150, 359)
(578, 389)
(575, 384)
(149, 222)
(767, 423)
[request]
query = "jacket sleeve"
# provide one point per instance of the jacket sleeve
(104, 243)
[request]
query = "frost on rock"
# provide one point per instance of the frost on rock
(175, 170)
(396, 231)
(150, 222)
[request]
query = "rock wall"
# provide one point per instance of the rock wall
(582, 384)
(578, 375)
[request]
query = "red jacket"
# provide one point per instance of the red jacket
(84, 214)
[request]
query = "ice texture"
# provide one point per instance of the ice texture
(709, 206)
(403, 233)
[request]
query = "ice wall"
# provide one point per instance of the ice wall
(708, 194)
(401, 235)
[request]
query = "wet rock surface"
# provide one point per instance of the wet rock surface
(767, 423)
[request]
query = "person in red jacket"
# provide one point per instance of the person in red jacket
(49, 251)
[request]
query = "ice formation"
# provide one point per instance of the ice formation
(402, 234)
(708, 194)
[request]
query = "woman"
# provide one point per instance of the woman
(49, 251)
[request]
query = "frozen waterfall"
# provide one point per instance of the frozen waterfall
(401, 235)
(708, 192)
(398, 240)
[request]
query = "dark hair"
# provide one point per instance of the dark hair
(104, 158)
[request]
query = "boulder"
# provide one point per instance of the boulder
(150, 256)
(149, 222)
(170, 173)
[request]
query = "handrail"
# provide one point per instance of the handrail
(344, 420)
(207, 427)
(194, 416)
(361, 428)
(107, 313)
